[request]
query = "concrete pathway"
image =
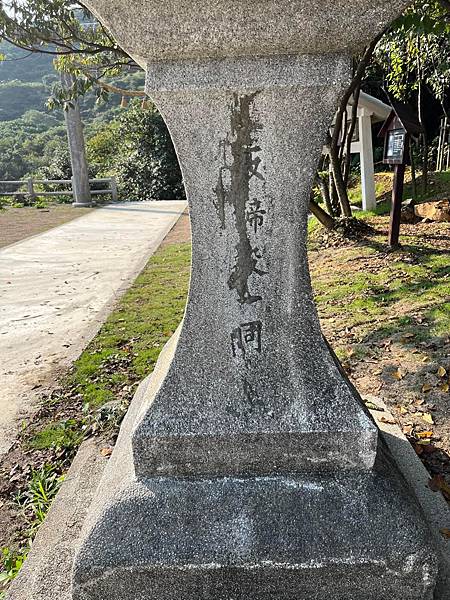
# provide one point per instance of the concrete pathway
(58, 287)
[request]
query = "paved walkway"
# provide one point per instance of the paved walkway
(58, 287)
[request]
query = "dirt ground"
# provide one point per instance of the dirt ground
(19, 223)
(180, 233)
(387, 314)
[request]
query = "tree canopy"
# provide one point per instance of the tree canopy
(66, 31)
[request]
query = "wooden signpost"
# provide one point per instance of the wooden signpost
(397, 130)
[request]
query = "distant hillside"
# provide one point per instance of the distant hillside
(25, 82)
(32, 137)
(23, 66)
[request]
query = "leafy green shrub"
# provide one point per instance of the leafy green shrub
(137, 148)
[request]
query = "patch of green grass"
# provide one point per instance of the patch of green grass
(34, 503)
(42, 488)
(439, 183)
(379, 300)
(313, 224)
(128, 345)
(383, 185)
(63, 434)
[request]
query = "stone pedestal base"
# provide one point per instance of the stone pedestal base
(83, 204)
(352, 535)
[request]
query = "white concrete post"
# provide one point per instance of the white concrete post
(30, 190)
(114, 192)
(366, 156)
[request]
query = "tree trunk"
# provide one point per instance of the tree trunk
(339, 181)
(421, 121)
(75, 136)
(413, 170)
(333, 195)
(351, 131)
(325, 193)
(336, 169)
(322, 216)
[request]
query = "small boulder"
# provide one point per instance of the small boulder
(434, 211)
(408, 215)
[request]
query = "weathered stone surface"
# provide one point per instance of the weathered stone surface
(275, 402)
(434, 211)
(46, 574)
(407, 213)
(339, 536)
(152, 30)
(251, 470)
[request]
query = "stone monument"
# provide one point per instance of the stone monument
(247, 467)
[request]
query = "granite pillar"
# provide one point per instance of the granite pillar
(248, 466)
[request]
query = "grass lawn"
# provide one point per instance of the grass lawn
(438, 186)
(387, 316)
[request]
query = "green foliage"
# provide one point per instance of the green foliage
(60, 435)
(12, 563)
(417, 49)
(34, 502)
(137, 148)
(42, 488)
(19, 65)
(17, 97)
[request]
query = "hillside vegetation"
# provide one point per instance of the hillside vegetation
(131, 144)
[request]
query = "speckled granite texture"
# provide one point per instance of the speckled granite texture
(176, 29)
(342, 536)
(251, 469)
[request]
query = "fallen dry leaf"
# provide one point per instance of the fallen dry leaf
(406, 337)
(424, 434)
(428, 418)
(106, 451)
(445, 532)
(407, 429)
(387, 421)
(398, 374)
(445, 387)
(424, 442)
(426, 388)
(403, 410)
(442, 372)
(372, 406)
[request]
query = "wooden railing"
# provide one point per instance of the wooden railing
(30, 193)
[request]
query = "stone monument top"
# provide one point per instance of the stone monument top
(157, 30)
